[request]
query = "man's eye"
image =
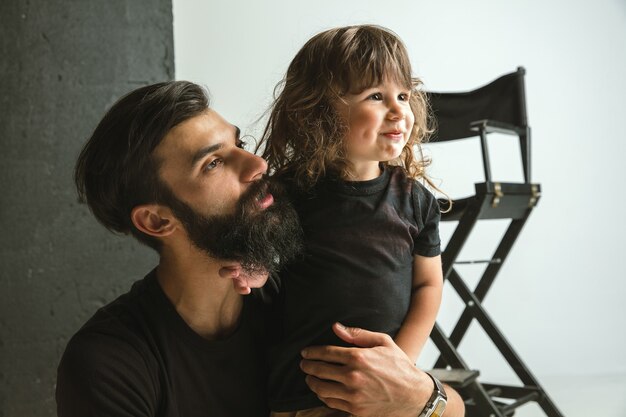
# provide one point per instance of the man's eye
(241, 144)
(212, 165)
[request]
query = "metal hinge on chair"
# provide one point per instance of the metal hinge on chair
(497, 196)
(480, 261)
(535, 194)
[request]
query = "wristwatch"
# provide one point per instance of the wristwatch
(437, 401)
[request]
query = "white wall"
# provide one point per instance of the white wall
(560, 297)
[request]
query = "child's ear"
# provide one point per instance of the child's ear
(153, 219)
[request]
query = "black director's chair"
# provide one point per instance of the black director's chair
(499, 107)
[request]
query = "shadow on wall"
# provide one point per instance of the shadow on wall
(64, 64)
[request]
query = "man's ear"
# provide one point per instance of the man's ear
(154, 220)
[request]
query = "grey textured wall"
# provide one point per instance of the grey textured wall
(62, 64)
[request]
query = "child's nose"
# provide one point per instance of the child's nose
(396, 112)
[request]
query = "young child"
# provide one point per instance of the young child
(343, 135)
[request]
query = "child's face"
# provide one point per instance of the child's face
(379, 121)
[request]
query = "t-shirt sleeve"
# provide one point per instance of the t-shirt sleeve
(102, 375)
(427, 216)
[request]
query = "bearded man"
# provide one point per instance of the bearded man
(184, 341)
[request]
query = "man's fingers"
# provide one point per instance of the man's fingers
(243, 281)
(324, 370)
(229, 271)
(347, 355)
(241, 287)
(239, 282)
(334, 394)
(361, 337)
(338, 404)
(326, 389)
(332, 354)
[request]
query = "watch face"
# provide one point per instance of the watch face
(440, 405)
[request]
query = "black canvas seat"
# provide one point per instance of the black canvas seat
(498, 107)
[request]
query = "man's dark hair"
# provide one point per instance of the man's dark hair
(116, 170)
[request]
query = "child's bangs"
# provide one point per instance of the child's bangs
(376, 65)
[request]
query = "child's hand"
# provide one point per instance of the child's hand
(244, 280)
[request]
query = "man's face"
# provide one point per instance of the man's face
(217, 191)
(203, 162)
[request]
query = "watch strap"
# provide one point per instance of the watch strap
(437, 402)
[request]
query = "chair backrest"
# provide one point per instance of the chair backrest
(499, 106)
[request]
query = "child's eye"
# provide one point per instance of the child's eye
(376, 96)
(241, 144)
(212, 165)
(404, 97)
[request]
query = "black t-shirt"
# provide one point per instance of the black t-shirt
(137, 357)
(360, 239)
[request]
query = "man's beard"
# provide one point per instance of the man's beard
(259, 239)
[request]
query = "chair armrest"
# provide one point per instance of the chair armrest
(492, 126)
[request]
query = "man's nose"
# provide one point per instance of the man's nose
(252, 166)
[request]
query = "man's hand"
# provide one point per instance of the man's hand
(374, 379)
(243, 280)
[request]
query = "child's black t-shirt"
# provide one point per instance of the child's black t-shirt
(360, 239)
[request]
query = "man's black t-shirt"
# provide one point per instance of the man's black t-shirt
(360, 239)
(137, 357)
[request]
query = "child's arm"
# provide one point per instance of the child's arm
(425, 301)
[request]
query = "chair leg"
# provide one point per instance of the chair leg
(447, 349)
(488, 277)
(459, 237)
(486, 400)
(515, 362)
(479, 313)
(482, 405)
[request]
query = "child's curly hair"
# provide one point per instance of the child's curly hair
(304, 134)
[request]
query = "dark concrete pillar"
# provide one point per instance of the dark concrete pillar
(62, 64)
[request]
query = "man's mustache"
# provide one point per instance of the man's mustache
(256, 191)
